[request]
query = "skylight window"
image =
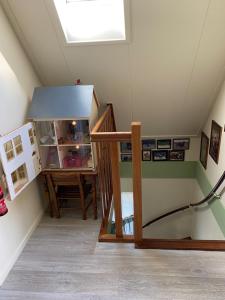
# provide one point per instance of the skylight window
(88, 21)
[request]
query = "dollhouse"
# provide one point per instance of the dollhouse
(56, 138)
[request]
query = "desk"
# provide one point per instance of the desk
(50, 193)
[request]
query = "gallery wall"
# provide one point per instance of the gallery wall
(208, 177)
(17, 80)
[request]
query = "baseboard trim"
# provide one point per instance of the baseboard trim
(205, 245)
(111, 238)
(4, 273)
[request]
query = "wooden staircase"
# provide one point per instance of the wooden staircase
(106, 140)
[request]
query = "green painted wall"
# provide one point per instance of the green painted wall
(216, 206)
(167, 169)
(186, 169)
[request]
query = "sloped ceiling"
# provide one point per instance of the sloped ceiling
(167, 76)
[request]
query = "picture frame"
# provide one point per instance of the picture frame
(204, 149)
(125, 147)
(164, 144)
(181, 144)
(146, 155)
(126, 157)
(177, 155)
(215, 140)
(160, 155)
(148, 144)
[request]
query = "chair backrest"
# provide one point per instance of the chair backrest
(66, 178)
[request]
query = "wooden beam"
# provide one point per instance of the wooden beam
(111, 238)
(113, 116)
(110, 136)
(209, 245)
(101, 120)
(137, 190)
(116, 188)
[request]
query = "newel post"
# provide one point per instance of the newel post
(137, 184)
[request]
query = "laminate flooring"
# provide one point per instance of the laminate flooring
(63, 261)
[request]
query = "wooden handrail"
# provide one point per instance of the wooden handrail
(110, 136)
(208, 198)
(101, 120)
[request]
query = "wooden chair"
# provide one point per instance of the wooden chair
(65, 186)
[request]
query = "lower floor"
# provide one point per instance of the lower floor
(63, 260)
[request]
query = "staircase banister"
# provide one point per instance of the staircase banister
(111, 136)
(209, 197)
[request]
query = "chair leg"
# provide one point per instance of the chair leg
(53, 198)
(94, 199)
(82, 203)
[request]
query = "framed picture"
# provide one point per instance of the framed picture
(125, 147)
(215, 139)
(148, 144)
(146, 155)
(204, 150)
(164, 144)
(177, 155)
(159, 155)
(126, 157)
(181, 144)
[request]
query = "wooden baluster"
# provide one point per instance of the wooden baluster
(116, 188)
(137, 191)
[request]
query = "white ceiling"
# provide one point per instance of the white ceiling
(167, 76)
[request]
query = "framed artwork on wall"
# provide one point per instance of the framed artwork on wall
(181, 144)
(204, 150)
(160, 155)
(215, 139)
(177, 155)
(125, 147)
(164, 144)
(148, 144)
(146, 155)
(126, 157)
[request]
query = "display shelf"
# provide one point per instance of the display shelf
(72, 132)
(74, 145)
(74, 158)
(53, 145)
(64, 117)
(46, 133)
(49, 157)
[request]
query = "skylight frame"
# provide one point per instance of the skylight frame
(67, 43)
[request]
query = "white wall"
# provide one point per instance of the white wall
(17, 80)
(206, 226)
(161, 195)
(166, 76)
(217, 114)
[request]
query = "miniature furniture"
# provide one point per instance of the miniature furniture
(70, 185)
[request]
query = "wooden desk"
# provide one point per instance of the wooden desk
(50, 193)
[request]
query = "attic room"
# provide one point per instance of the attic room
(112, 149)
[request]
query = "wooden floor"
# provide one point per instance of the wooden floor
(63, 260)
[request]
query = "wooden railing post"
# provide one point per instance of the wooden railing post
(137, 190)
(116, 188)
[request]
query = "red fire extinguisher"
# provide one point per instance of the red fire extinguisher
(3, 208)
